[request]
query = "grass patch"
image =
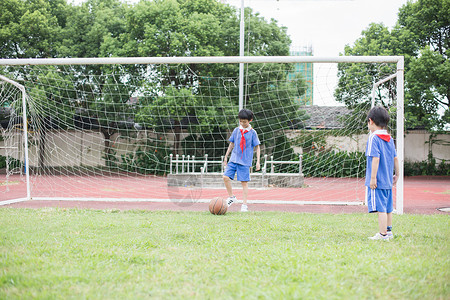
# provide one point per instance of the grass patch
(72, 254)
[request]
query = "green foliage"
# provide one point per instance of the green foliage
(422, 35)
(31, 28)
(275, 116)
(283, 150)
(427, 168)
(178, 103)
(13, 163)
(428, 90)
(428, 21)
(198, 28)
(213, 143)
(356, 80)
(180, 28)
(196, 31)
(94, 29)
(52, 88)
(111, 160)
(168, 97)
(150, 159)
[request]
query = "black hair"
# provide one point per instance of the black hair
(379, 115)
(245, 114)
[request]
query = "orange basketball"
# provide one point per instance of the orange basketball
(218, 206)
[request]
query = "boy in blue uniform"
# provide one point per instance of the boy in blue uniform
(381, 162)
(242, 142)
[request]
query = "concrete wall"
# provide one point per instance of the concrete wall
(416, 145)
(77, 148)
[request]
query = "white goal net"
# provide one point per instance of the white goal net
(149, 129)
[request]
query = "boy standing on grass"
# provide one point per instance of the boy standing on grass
(381, 161)
(242, 141)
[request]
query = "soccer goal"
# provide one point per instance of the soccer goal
(118, 128)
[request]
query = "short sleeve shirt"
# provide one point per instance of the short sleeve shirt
(377, 147)
(251, 141)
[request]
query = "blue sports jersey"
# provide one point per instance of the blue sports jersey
(251, 140)
(385, 150)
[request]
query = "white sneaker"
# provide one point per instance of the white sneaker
(244, 208)
(390, 235)
(378, 236)
(231, 200)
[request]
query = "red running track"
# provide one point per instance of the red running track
(422, 195)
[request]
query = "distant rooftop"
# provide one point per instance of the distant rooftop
(325, 117)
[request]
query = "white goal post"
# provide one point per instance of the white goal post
(399, 76)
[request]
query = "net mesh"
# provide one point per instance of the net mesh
(108, 131)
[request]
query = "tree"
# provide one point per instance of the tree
(428, 89)
(428, 74)
(95, 29)
(179, 104)
(429, 22)
(422, 35)
(31, 28)
(98, 28)
(207, 27)
(355, 81)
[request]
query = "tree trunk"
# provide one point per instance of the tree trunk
(42, 144)
(108, 155)
(177, 131)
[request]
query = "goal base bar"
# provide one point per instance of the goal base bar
(293, 202)
(7, 202)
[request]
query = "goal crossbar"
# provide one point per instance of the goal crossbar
(200, 60)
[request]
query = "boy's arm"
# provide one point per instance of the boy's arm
(258, 155)
(395, 170)
(373, 176)
(230, 148)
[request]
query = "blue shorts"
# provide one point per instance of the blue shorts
(379, 200)
(243, 172)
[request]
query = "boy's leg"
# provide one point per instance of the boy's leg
(244, 192)
(389, 219)
(389, 226)
(231, 199)
(243, 175)
(389, 209)
(382, 222)
(244, 207)
(229, 173)
(377, 202)
(228, 186)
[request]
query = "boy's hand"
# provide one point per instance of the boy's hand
(225, 161)
(257, 166)
(395, 179)
(373, 183)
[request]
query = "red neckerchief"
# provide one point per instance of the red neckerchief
(244, 131)
(382, 134)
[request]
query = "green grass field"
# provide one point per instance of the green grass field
(72, 254)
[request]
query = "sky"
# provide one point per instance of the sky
(326, 25)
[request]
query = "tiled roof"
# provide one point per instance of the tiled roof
(325, 117)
